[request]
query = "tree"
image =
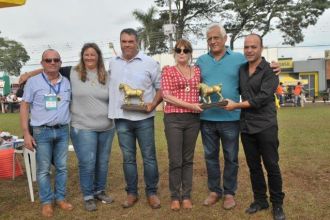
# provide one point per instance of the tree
(190, 16)
(151, 35)
(263, 16)
(241, 17)
(12, 56)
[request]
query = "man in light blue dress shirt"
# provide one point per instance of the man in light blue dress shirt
(47, 97)
(139, 71)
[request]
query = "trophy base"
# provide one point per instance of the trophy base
(215, 104)
(135, 108)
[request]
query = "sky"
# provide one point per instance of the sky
(66, 25)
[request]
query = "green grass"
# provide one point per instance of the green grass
(304, 160)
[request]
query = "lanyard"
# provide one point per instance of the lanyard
(51, 86)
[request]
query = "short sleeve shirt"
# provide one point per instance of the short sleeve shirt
(174, 83)
(141, 72)
(34, 93)
(225, 72)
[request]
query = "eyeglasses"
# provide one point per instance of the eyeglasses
(179, 50)
(55, 60)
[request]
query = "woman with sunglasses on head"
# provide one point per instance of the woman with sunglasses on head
(180, 92)
(91, 130)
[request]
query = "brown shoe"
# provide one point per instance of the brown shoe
(64, 205)
(229, 202)
(212, 198)
(130, 201)
(187, 204)
(154, 202)
(175, 205)
(47, 210)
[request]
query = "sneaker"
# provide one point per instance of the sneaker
(90, 205)
(103, 198)
(278, 213)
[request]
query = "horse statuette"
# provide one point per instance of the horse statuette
(207, 91)
(131, 93)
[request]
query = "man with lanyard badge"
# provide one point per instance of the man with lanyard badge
(47, 98)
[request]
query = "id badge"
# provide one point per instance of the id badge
(51, 102)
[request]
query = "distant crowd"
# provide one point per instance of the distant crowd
(9, 103)
(287, 94)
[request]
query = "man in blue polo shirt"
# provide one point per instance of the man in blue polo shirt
(47, 98)
(221, 66)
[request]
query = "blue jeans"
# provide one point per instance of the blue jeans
(52, 147)
(93, 150)
(142, 131)
(228, 133)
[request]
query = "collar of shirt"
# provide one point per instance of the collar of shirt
(228, 51)
(58, 80)
(260, 66)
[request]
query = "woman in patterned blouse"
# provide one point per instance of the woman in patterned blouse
(181, 119)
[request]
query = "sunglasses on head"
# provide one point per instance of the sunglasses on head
(55, 60)
(179, 50)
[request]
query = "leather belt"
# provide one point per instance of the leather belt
(54, 126)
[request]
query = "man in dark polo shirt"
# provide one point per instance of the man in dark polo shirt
(259, 130)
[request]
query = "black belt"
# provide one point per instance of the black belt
(54, 126)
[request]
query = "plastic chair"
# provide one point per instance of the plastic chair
(30, 165)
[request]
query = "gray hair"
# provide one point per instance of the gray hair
(47, 50)
(216, 25)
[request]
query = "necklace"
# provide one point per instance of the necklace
(187, 88)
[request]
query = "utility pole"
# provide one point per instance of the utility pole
(170, 16)
(111, 46)
(169, 29)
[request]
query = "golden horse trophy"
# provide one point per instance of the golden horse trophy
(129, 93)
(206, 92)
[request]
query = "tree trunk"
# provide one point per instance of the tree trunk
(232, 42)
